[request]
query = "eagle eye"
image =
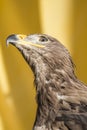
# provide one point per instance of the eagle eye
(43, 39)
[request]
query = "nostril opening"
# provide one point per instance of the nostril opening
(22, 36)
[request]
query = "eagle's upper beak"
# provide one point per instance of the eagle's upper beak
(14, 39)
(21, 40)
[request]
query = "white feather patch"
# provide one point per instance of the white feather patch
(61, 97)
(43, 127)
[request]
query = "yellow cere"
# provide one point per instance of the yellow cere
(21, 36)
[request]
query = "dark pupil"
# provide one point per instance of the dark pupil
(43, 39)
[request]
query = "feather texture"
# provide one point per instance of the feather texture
(61, 97)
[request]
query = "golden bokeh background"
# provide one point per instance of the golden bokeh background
(64, 19)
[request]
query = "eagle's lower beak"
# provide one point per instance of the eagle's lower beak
(14, 39)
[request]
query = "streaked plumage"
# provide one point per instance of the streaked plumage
(61, 97)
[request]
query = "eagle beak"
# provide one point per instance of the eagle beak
(20, 39)
(14, 39)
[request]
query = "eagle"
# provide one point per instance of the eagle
(61, 97)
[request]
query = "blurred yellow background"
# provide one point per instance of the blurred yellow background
(64, 19)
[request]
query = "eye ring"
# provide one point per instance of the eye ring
(43, 39)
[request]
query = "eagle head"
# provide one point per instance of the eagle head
(43, 53)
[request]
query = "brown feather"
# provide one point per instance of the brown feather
(61, 97)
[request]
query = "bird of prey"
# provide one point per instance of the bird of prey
(60, 95)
